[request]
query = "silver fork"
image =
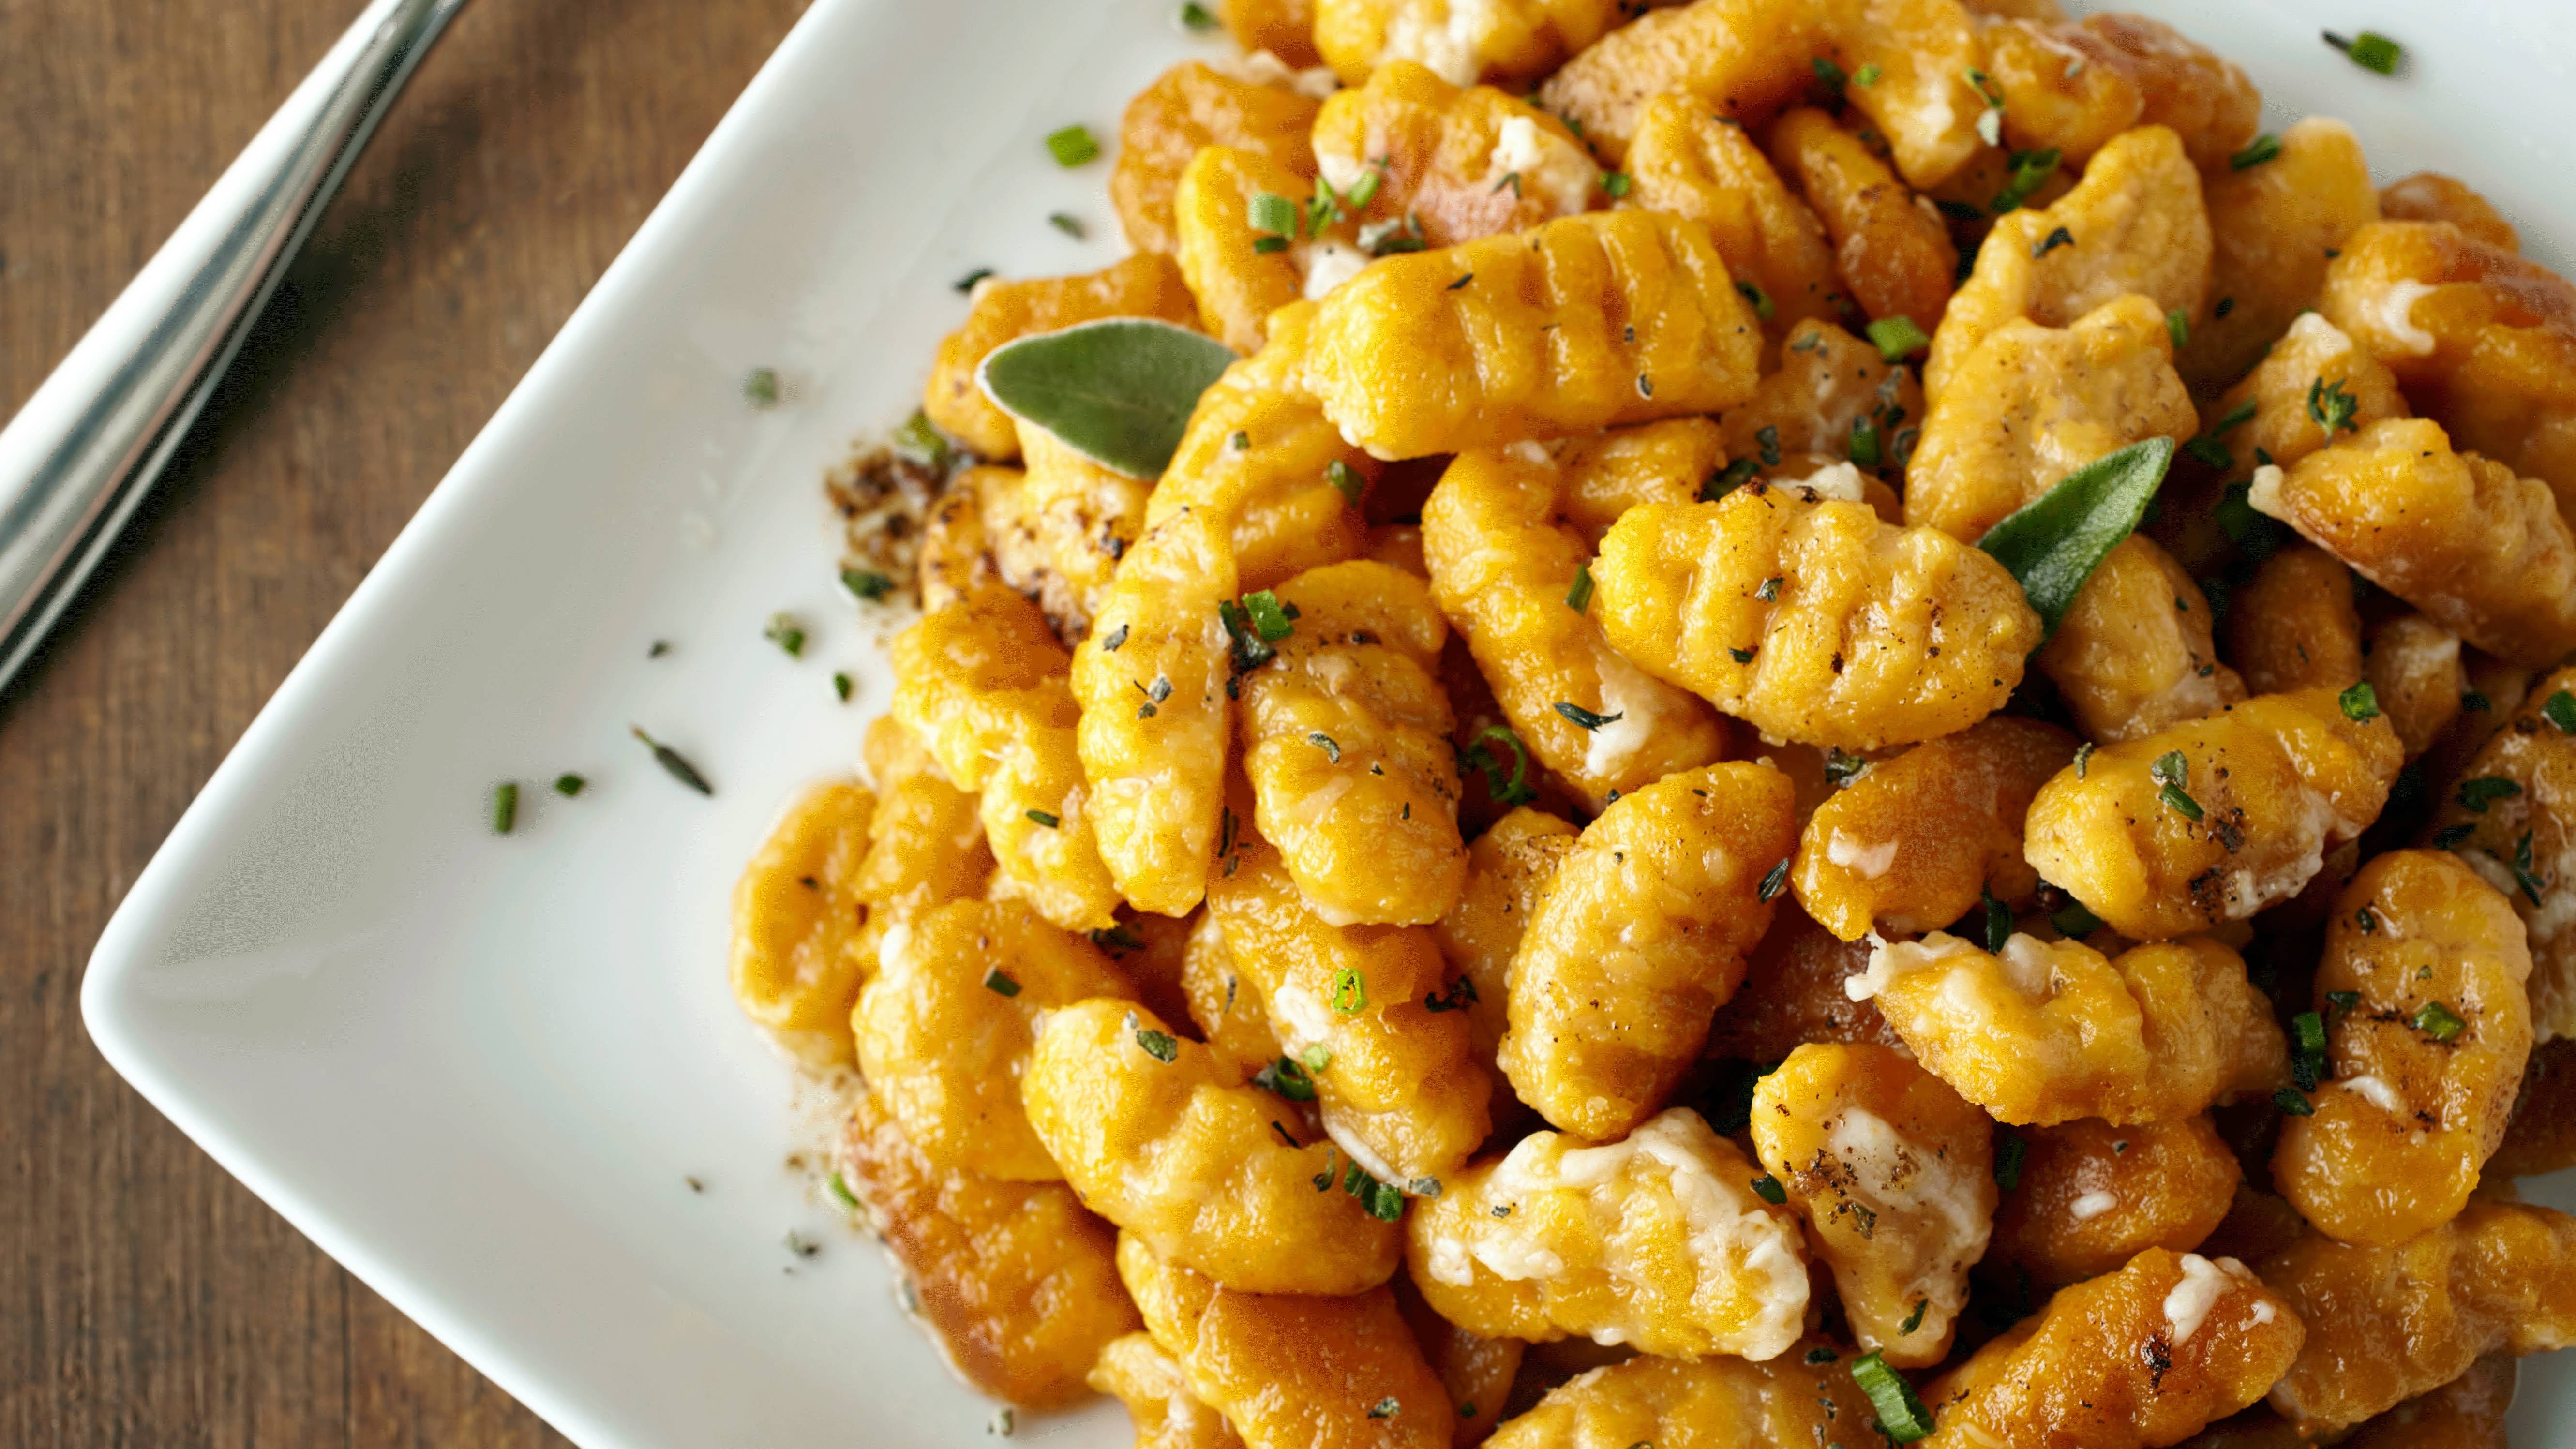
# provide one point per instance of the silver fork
(88, 444)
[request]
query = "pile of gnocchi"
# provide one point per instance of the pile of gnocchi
(1551, 880)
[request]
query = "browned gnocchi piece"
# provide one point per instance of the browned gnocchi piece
(2073, 86)
(1190, 106)
(1450, 163)
(1894, 254)
(1804, 1396)
(1688, 162)
(2135, 653)
(799, 947)
(2090, 1196)
(2294, 624)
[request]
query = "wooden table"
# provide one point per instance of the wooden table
(145, 1297)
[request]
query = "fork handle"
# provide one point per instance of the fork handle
(85, 448)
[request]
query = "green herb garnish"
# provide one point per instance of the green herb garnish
(1771, 883)
(1579, 598)
(1073, 146)
(1901, 1416)
(1585, 718)
(568, 785)
(1000, 984)
(786, 633)
(1897, 338)
(761, 386)
(2262, 148)
(2053, 543)
(2360, 703)
(1768, 1188)
(2437, 1021)
(672, 763)
(1117, 391)
(2369, 50)
(505, 807)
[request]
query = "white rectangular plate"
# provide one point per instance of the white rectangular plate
(476, 1069)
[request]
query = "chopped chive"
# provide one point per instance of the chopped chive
(1287, 1078)
(1897, 338)
(568, 785)
(1316, 1057)
(1768, 1188)
(1325, 742)
(1864, 450)
(1067, 223)
(673, 763)
(2075, 921)
(1160, 1045)
(867, 584)
(1346, 480)
(1579, 598)
(505, 807)
(786, 633)
(842, 685)
(1364, 190)
(1866, 76)
(2261, 149)
(1771, 883)
(1382, 1201)
(2061, 237)
(999, 984)
(920, 440)
(2294, 1103)
(2178, 327)
(967, 282)
(1350, 991)
(1073, 146)
(1726, 480)
(2437, 1021)
(1828, 72)
(1270, 618)
(1051, 822)
(2360, 703)
(2369, 50)
(841, 1191)
(1901, 1416)
(659, 648)
(1585, 718)
(1740, 656)
(2559, 709)
(1511, 179)
(1615, 184)
(761, 386)
(1197, 16)
(1516, 790)
(2030, 171)
(1914, 1320)
(1760, 299)
(2009, 1151)
(2307, 1050)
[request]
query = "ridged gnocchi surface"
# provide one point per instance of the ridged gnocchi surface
(1804, 1396)
(2510, 815)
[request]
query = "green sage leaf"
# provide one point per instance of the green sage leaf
(2053, 543)
(1118, 391)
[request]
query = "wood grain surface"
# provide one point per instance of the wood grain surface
(146, 1298)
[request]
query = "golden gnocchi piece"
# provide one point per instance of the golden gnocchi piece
(1083, 517)
(925, 838)
(1368, 1012)
(2413, 666)
(1454, 162)
(1260, 460)
(1508, 550)
(1016, 1283)
(955, 558)
(2460, 537)
(1814, 621)
(2145, 1356)
(2045, 1032)
(1285, 28)
(2432, 196)
(2483, 341)
(1161, 1140)
(1895, 256)
(2211, 821)
(1584, 323)
(1155, 721)
(1477, 1372)
(1831, 394)
(2034, 403)
(1509, 870)
(1805, 1396)
(1747, 58)
(1793, 994)
(2075, 86)
(1238, 284)
(1346, 742)
(2134, 654)
(2135, 224)
(945, 1025)
(797, 953)
(2511, 816)
(2273, 228)
(1687, 162)
(2466, 1413)
(1894, 1175)
(1190, 106)
(1291, 1371)
(1037, 821)
(1144, 285)
(1227, 1012)
(2294, 624)
(1463, 41)
(973, 679)
(1138, 1373)
(1656, 1240)
(2427, 1026)
(2091, 1196)
(1918, 840)
(2387, 1324)
(1641, 937)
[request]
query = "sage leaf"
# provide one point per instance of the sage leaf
(1117, 391)
(2053, 543)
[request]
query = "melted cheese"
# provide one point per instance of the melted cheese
(1838, 481)
(2393, 312)
(1329, 264)
(2376, 1092)
(2091, 1205)
(1639, 706)
(1871, 861)
(1446, 46)
(2264, 492)
(1550, 168)
(2188, 1305)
